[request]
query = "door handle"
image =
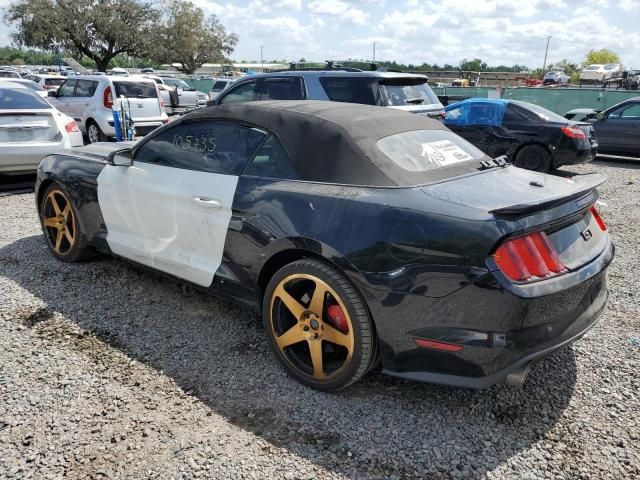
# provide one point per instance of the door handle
(206, 201)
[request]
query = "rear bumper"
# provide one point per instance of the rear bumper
(501, 330)
(519, 368)
(142, 128)
(26, 157)
(575, 157)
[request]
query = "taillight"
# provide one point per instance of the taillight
(71, 127)
(598, 219)
(160, 97)
(573, 132)
(528, 258)
(107, 99)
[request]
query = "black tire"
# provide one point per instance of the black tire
(94, 134)
(73, 245)
(364, 344)
(533, 157)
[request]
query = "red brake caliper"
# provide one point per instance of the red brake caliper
(338, 318)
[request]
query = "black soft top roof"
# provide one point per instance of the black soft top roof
(331, 142)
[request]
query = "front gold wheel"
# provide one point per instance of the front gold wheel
(61, 225)
(309, 314)
(58, 221)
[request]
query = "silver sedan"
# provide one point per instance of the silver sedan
(30, 129)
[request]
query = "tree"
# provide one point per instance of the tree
(475, 65)
(98, 29)
(602, 56)
(187, 38)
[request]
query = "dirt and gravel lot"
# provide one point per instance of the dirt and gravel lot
(107, 371)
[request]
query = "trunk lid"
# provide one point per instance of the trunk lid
(28, 126)
(520, 201)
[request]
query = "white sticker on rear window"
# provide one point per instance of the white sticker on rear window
(444, 152)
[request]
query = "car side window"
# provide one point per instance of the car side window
(627, 112)
(272, 160)
(282, 89)
(242, 93)
(349, 89)
(512, 114)
(67, 88)
(86, 88)
(205, 146)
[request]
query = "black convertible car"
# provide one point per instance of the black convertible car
(364, 235)
(530, 136)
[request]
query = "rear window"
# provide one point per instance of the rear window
(21, 99)
(540, 112)
(136, 89)
(54, 81)
(407, 91)
(420, 151)
(6, 74)
(350, 89)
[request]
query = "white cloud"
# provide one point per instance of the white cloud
(338, 9)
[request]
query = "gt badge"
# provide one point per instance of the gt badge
(586, 235)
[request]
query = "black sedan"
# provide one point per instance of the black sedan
(618, 129)
(531, 136)
(364, 235)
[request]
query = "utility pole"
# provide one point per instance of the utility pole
(261, 59)
(374, 52)
(546, 51)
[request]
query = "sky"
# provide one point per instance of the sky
(503, 32)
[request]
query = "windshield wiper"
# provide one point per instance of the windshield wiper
(414, 101)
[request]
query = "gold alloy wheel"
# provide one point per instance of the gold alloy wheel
(58, 221)
(311, 328)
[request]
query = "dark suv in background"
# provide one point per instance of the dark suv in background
(404, 91)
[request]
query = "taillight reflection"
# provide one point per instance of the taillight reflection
(598, 219)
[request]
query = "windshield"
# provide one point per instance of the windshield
(21, 99)
(423, 150)
(136, 89)
(407, 91)
(6, 74)
(32, 85)
(610, 66)
(593, 67)
(541, 112)
(219, 86)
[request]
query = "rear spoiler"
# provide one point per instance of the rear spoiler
(582, 189)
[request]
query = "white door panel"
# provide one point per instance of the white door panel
(170, 219)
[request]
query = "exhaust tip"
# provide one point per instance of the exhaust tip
(517, 377)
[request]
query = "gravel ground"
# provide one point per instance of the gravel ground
(107, 371)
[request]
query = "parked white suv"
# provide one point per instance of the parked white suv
(89, 99)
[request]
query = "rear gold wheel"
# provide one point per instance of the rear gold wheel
(60, 225)
(318, 325)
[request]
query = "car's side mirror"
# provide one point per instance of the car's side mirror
(52, 93)
(120, 158)
(601, 116)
